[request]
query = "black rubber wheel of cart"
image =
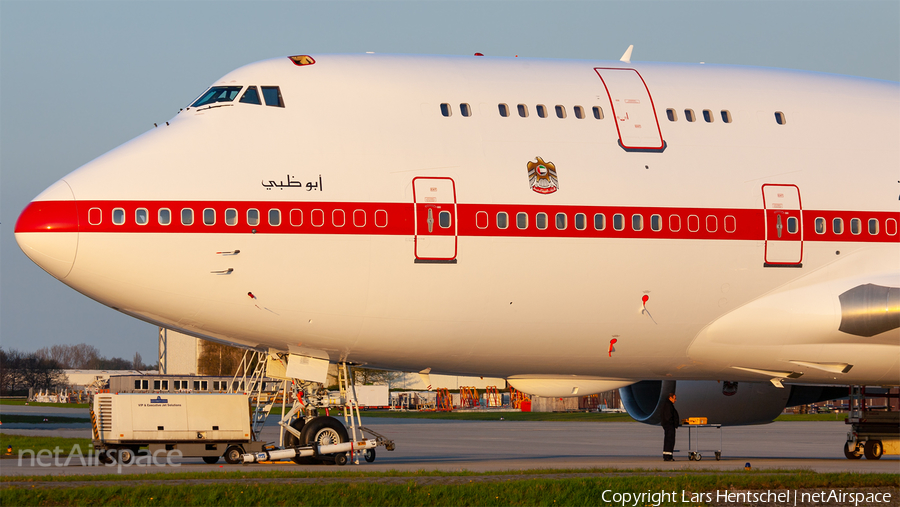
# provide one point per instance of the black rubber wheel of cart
(210, 460)
(718, 456)
(369, 455)
(874, 449)
(233, 455)
(340, 459)
(853, 453)
(125, 456)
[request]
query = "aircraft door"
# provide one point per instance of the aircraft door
(435, 212)
(784, 225)
(632, 109)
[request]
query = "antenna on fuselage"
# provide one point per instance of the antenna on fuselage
(626, 57)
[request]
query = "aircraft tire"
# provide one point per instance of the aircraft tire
(324, 430)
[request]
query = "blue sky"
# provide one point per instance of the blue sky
(78, 78)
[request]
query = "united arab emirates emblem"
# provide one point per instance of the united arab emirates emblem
(542, 176)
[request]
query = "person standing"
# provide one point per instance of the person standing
(669, 421)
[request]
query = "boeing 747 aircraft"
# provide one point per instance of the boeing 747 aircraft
(571, 226)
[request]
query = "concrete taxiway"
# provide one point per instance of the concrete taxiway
(511, 445)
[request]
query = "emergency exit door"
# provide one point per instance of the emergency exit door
(435, 212)
(632, 109)
(784, 225)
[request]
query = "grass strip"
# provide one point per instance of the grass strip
(41, 419)
(550, 492)
(242, 473)
(36, 404)
(37, 443)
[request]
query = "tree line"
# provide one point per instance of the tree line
(43, 369)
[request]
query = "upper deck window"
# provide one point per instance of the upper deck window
(251, 96)
(272, 95)
(217, 94)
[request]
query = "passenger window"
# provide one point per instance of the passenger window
(252, 217)
(579, 112)
(481, 220)
(141, 216)
(560, 111)
(792, 225)
(674, 223)
(873, 226)
(580, 221)
(618, 221)
(522, 220)
(541, 111)
(272, 96)
(855, 226)
(726, 116)
(118, 216)
(689, 115)
(296, 217)
(504, 110)
(598, 113)
(523, 110)
(164, 216)
(465, 110)
(217, 94)
(599, 221)
(275, 216)
(671, 114)
(231, 216)
(187, 216)
(779, 118)
(656, 223)
(251, 96)
(561, 221)
(338, 218)
(209, 216)
(820, 226)
(707, 116)
(637, 222)
(837, 225)
(541, 221)
(502, 220)
(444, 219)
(445, 110)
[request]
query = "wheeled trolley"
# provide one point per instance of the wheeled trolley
(694, 446)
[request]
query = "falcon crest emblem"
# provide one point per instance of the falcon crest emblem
(542, 176)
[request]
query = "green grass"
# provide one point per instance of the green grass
(39, 419)
(37, 443)
(36, 404)
(587, 490)
(811, 417)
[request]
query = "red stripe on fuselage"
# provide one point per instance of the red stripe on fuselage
(360, 218)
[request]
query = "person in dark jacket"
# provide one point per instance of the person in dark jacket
(669, 421)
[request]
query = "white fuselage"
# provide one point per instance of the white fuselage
(725, 297)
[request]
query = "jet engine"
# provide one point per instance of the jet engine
(725, 403)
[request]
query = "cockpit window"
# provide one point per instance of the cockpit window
(251, 96)
(272, 94)
(217, 94)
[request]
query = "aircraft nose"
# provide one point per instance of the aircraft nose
(47, 230)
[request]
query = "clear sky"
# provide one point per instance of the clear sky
(78, 78)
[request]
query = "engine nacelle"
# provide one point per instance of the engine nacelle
(725, 403)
